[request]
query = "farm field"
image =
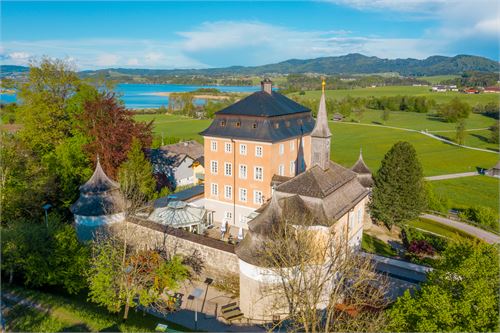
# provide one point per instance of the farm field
(470, 191)
(437, 157)
(441, 97)
(435, 79)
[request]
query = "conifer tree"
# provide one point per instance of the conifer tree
(136, 179)
(399, 190)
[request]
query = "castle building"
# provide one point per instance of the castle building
(331, 197)
(263, 135)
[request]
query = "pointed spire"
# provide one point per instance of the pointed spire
(360, 166)
(321, 128)
(99, 182)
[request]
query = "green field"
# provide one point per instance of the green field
(440, 229)
(470, 191)
(404, 90)
(74, 314)
(435, 79)
(437, 157)
(176, 126)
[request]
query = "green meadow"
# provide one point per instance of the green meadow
(439, 97)
(437, 157)
(470, 191)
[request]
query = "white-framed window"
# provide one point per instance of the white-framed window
(228, 216)
(243, 171)
(228, 191)
(243, 194)
(228, 169)
(258, 173)
(281, 170)
(213, 145)
(351, 220)
(259, 152)
(214, 189)
(292, 145)
(242, 219)
(282, 148)
(214, 167)
(228, 147)
(292, 168)
(360, 215)
(243, 149)
(257, 197)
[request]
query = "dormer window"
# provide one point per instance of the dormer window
(299, 121)
(276, 125)
(254, 125)
(222, 123)
(238, 124)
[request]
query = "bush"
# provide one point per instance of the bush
(410, 235)
(421, 248)
(482, 215)
(454, 110)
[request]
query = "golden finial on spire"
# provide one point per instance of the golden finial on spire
(323, 84)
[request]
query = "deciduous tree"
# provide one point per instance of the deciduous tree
(112, 128)
(461, 294)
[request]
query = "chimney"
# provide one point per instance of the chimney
(267, 86)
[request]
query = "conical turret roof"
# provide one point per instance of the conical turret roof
(321, 128)
(360, 167)
(99, 196)
(99, 182)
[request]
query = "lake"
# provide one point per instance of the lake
(140, 96)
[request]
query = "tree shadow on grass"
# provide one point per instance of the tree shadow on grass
(76, 328)
(434, 117)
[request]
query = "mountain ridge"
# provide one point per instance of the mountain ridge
(353, 63)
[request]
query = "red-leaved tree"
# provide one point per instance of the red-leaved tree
(111, 128)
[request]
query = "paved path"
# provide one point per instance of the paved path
(452, 175)
(470, 229)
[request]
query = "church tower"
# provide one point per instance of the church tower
(321, 135)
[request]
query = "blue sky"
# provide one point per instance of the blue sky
(218, 34)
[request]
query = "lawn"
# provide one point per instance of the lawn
(74, 314)
(372, 244)
(439, 97)
(440, 229)
(470, 191)
(437, 157)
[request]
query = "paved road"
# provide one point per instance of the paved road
(470, 229)
(452, 175)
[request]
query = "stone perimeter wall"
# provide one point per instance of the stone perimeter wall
(219, 257)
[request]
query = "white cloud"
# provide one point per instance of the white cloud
(107, 59)
(19, 55)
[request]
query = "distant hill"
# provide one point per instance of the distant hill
(12, 70)
(348, 64)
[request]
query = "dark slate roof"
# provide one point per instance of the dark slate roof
(317, 182)
(262, 104)
(99, 182)
(184, 195)
(266, 129)
(98, 196)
